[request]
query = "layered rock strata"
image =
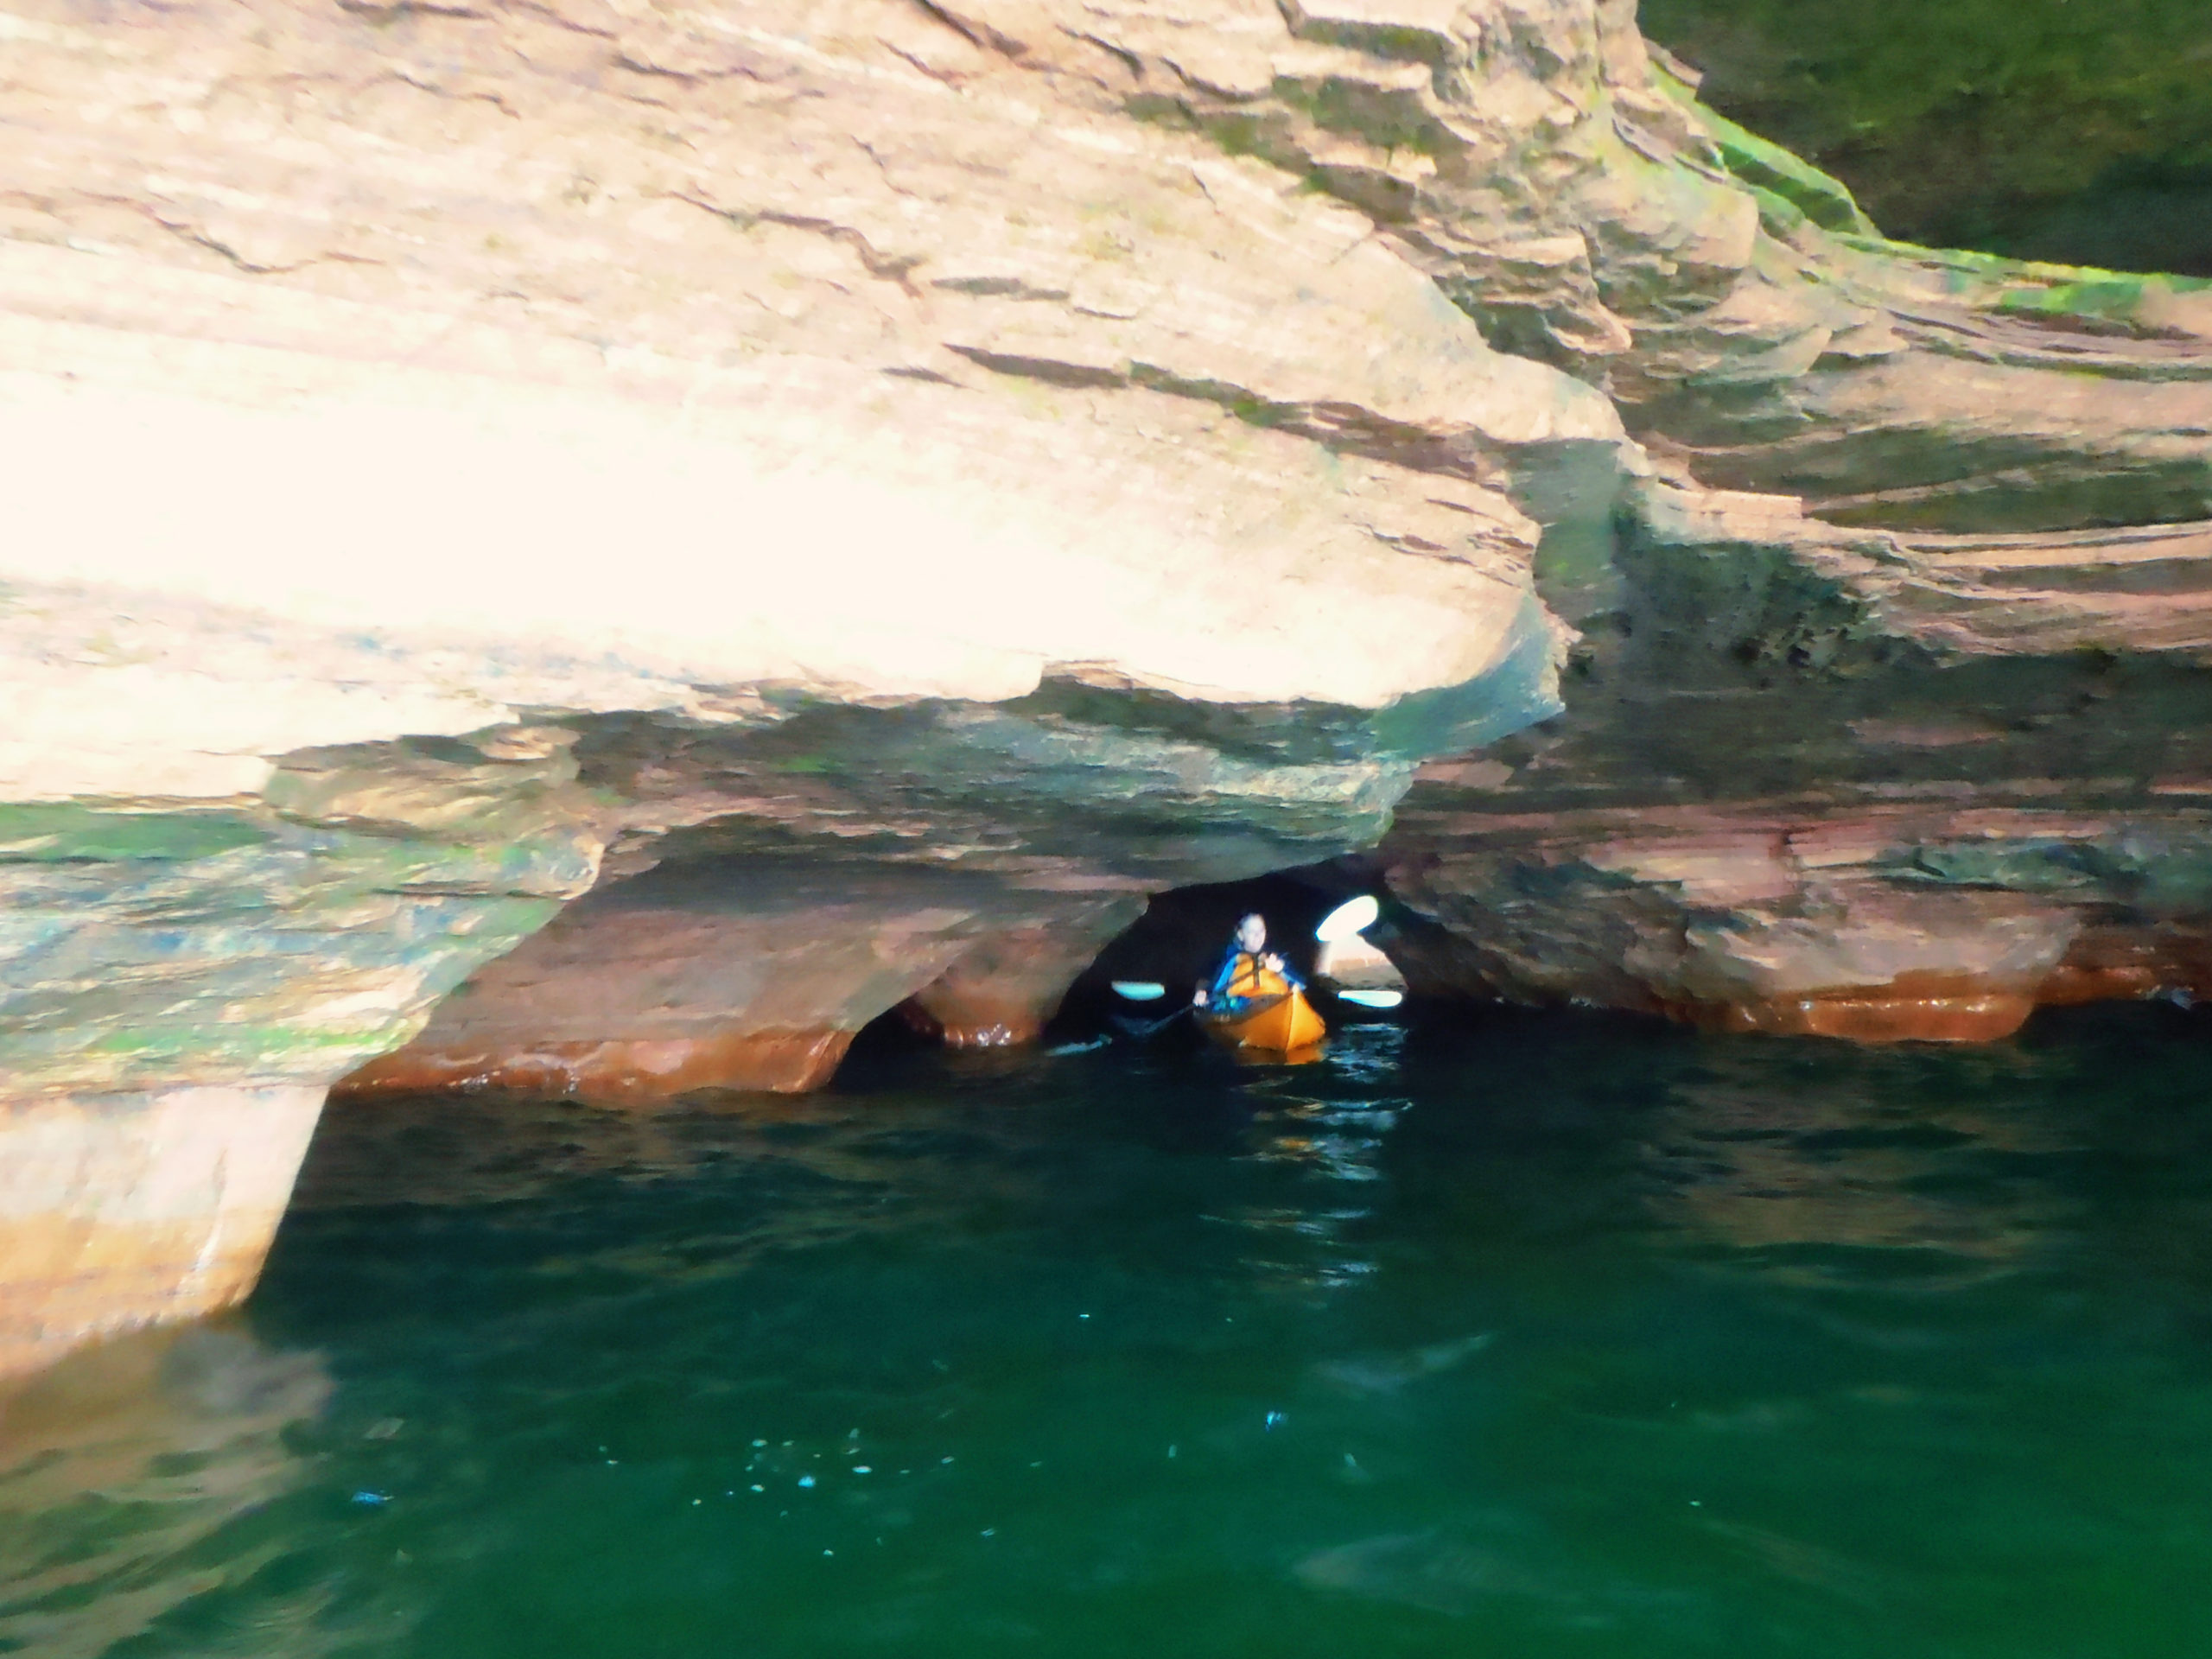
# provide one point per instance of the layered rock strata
(461, 454)
(468, 456)
(750, 973)
(182, 978)
(1841, 783)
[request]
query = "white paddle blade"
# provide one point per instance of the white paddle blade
(1372, 999)
(1140, 990)
(1347, 920)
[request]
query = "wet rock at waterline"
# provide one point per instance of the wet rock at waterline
(743, 975)
(652, 438)
(1925, 846)
(467, 460)
(1006, 988)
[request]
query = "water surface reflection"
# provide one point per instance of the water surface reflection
(1549, 1336)
(129, 1479)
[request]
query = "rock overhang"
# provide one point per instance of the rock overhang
(1012, 457)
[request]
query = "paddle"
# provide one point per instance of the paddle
(1348, 920)
(1372, 999)
(1353, 917)
(1147, 990)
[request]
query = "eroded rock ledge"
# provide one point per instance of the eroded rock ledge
(872, 491)
(1836, 783)
(466, 459)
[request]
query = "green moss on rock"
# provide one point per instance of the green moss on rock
(2054, 130)
(63, 831)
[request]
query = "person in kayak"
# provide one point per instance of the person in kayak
(1250, 970)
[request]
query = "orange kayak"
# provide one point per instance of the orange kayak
(1282, 1027)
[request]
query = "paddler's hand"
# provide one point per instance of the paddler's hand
(1271, 962)
(1198, 997)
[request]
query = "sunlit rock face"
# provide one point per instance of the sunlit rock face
(460, 460)
(115, 1209)
(182, 980)
(1565, 189)
(1922, 570)
(1884, 718)
(958, 469)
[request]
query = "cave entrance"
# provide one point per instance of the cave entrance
(749, 975)
(1179, 939)
(1174, 945)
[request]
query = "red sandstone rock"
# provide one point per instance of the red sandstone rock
(1003, 991)
(1913, 1008)
(745, 976)
(933, 310)
(609, 1072)
(2111, 961)
(1731, 921)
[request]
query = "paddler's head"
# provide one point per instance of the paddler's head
(1251, 933)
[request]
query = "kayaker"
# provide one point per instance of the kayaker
(1250, 970)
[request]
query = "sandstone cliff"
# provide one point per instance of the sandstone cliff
(885, 485)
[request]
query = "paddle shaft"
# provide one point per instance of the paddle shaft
(1159, 1025)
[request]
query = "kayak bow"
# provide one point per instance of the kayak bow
(1282, 1026)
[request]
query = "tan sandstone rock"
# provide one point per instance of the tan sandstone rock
(465, 457)
(116, 1210)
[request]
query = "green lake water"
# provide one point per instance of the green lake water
(1557, 1338)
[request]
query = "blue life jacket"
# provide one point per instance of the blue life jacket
(1231, 967)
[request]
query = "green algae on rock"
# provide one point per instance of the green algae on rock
(993, 460)
(2035, 128)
